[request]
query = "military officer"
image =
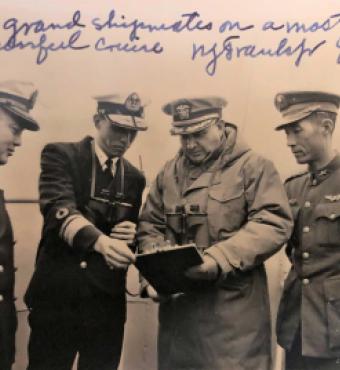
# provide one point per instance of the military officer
(17, 98)
(90, 197)
(223, 321)
(308, 325)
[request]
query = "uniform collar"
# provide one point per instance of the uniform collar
(102, 157)
(323, 173)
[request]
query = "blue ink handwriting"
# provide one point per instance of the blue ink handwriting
(230, 51)
(299, 27)
(101, 45)
(188, 22)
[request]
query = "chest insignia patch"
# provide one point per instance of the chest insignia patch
(333, 198)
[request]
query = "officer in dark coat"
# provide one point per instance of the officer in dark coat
(16, 100)
(90, 198)
(308, 325)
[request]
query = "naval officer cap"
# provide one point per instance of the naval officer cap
(194, 114)
(18, 98)
(297, 105)
(123, 110)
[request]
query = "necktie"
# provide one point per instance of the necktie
(109, 164)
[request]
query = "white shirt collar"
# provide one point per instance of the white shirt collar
(102, 157)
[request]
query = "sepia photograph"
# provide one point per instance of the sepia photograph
(169, 185)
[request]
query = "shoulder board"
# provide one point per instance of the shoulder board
(297, 175)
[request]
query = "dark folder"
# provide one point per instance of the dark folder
(164, 267)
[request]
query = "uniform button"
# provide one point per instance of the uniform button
(305, 281)
(314, 182)
(307, 204)
(332, 216)
(1, 297)
(306, 229)
(2, 268)
(305, 255)
(83, 264)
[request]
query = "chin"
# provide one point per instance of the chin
(196, 160)
(302, 160)
(3, 161)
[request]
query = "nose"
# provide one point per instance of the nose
(291, 140)
(190, 142)
(125, 139)
(17, 139)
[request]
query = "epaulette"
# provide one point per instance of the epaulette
(299, 174)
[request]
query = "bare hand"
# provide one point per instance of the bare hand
(125, 230)
(151, 292)
(208, 270)
(116, 252)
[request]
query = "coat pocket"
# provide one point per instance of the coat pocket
(327, 220)
(332, 295)
(226, 208)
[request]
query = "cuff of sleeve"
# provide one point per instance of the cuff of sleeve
(221, 260)
(86, 238)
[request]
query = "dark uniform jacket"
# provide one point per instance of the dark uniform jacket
(227, 324)
(8, 321)
(64, 273)
(311, 296)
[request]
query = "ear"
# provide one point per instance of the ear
(96, 120)
(327, 126)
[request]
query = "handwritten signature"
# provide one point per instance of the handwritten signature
(230, 51)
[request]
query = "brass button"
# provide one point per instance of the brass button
(305, 281)
(2, 269)
(305, 255)
(83, 264)
(1, 298)
(307, 204)
(332, 216)
(306, 229)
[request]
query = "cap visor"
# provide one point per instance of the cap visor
(25, 120)
(128, 122)
(190, 129)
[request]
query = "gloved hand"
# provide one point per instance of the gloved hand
(208, 270)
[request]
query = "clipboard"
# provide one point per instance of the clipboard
(164, 267)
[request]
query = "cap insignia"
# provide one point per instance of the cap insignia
(183, 111)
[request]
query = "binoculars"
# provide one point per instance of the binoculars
(185, 227)
(105, 214)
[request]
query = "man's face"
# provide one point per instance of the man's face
(114, 140)
(10, 136)
(199, 145)
(306, 140)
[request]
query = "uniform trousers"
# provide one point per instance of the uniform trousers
(8, 325)
(93, 330)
